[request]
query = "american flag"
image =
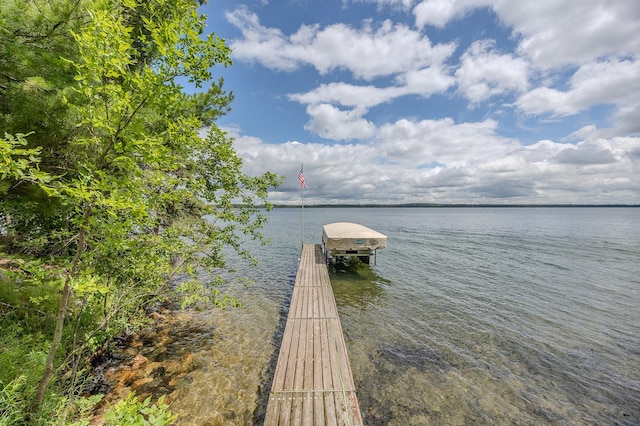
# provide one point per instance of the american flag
(301, 178)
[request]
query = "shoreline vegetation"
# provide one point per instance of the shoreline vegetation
(434, 205)
(116, 193)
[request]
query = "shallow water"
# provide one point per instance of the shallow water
(471, 316)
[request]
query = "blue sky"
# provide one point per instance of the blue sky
(438, 101)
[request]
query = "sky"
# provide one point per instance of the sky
(436, 101)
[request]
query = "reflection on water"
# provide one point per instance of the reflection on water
(355, 283)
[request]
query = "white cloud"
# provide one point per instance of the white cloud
(607, 82)
(259, 41)
(332, 123)
(395, 4)
(425, 82)
(563, 32)
(553, 33)
(626, 121)
(367, 53)
(442, 141)
(396, 50)
(348, 95)
(585, 153)
(422, 82)
(441, 161)
(439, 12)
(614, 81)
(546, 100)
(484, 72)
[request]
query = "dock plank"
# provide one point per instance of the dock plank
(313, 384)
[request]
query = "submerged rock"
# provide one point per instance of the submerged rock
(154, 363)
(419, 358)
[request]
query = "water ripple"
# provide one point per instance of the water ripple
(472, 316)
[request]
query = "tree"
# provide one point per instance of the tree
(35, 78)
(141, 192)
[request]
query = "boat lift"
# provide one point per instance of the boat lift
(343, 239)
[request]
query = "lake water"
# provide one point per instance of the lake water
(471, 316)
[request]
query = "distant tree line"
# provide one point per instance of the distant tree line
(444, 205)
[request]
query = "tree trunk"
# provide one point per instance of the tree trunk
(66, 292)
(57, 337)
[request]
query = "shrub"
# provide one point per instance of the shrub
(131, 411)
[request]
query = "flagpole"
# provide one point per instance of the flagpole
(302, 185)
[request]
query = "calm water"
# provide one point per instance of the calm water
(471, 316)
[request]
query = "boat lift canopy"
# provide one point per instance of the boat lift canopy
(344, 239)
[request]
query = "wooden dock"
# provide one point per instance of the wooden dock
(313, 384)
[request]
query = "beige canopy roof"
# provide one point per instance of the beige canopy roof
(351, 236)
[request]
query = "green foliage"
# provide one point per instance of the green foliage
(17, 162)
(136, 159)
(78, 408)
(33, 75)
(131, 411)
(27, 309)
(110, 189)
(13, 406)
(22, 356)
(34, 80)
(21, 360)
